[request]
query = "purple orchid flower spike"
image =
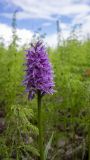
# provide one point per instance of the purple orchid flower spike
(39, 73)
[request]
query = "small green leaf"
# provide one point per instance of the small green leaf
(48, 146)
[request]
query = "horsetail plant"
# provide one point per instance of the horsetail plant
(38, 81)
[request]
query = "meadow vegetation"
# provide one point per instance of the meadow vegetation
(66, 114)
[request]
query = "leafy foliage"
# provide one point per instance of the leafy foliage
(67, 112)
(19, 133)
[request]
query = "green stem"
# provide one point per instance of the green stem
(40, 138)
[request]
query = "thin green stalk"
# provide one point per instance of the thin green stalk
(40, 137)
